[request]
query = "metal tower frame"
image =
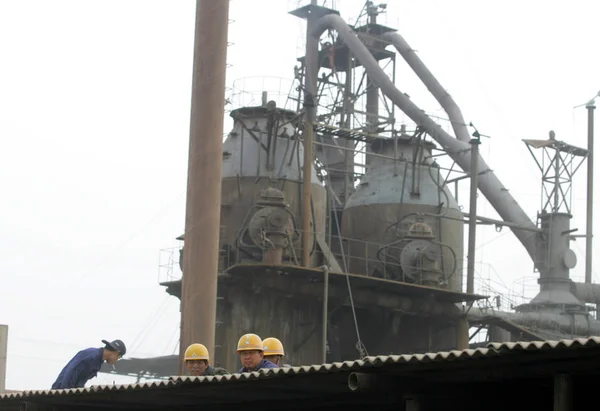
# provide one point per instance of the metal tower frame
(558, 163)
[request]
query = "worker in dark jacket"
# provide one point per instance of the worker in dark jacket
(197, 362)
(250, 348)
(273, 351)
(86, 364)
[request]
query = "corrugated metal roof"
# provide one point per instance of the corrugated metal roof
(493, 350)
(541, 345)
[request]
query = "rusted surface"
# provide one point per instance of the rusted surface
(200, 261)
(239, 195)
(310, 97)
(262, 272)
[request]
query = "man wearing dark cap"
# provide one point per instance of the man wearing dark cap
(86, 364)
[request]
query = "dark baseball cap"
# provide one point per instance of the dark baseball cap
(116, 345)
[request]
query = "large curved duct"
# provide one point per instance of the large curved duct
(458, 150)
(588, 293)
(572, 324)
(442, 96)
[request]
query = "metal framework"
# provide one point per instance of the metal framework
(558, 163)
(352, 111)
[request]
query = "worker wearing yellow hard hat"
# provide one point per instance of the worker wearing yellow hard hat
(251, 350)
(197, 362)
(273, 350)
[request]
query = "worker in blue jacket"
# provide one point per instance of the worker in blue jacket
(251, 351)
(86, 364)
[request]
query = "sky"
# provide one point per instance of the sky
(94, 126)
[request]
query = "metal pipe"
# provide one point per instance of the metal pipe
(433, 85)
(3, 356)
(586, 292)
(348, 145)
(589, 229)
(365, 382)
(325, 312)
(571, 324)
(203, 205)
(310, 94)
(360, 381)
(273, 256)
(490, 186)
(487, 220)
(372, 96)
(472, 217)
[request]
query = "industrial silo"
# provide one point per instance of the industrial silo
(262, 152)
(402, 222)
(261, 205)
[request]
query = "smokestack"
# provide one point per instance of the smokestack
(203, 206)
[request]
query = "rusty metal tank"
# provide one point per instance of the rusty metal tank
(262, 152)
(394, 221)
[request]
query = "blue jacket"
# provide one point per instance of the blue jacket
(83, 367)
(263, 364)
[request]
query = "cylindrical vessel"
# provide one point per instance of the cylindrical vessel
(264, 151)
(391, 196)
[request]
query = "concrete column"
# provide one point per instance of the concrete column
(462, 333)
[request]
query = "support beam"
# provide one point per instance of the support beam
(563, 393)
(325, 319)
(472, 216)
(589, 229)
(310, 107)
(462, 333)
(203, 207)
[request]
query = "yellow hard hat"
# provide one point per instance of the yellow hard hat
(272, 346)
(250, 342)
(196, 352)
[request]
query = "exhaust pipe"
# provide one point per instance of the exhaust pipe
(358, 381)
(502, 201)
(367, 382)
(433, 85)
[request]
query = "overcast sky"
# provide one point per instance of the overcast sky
(94, 124)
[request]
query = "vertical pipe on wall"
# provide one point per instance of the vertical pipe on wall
(590, 193)
(325, 313)
(472, 216)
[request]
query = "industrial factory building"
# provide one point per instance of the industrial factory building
(330, 224)
(340, 231)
